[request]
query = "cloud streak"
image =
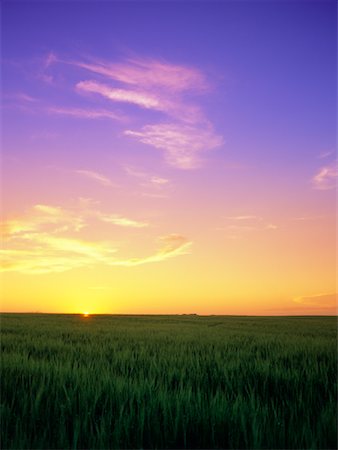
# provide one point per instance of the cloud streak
(149, 74)
(153, 100)
(95, 176)
(182, 144)
(171, 246)
(322, 300)
(245, 218)
(140, 98)
(81, 113)
(246, 223)
(159, 181)
(155, 186)
(122, 221)
(43, 253)
(153, 85)
(21, 97)
(151, 179)
(326, 177)
(44, 241)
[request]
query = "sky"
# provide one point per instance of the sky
(169, 157)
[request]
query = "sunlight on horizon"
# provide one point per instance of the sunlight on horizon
(191, 170)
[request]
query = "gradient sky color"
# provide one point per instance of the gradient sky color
(169, 157)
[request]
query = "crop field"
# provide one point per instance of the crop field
(105, 382)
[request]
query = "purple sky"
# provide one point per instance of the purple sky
(180, 117)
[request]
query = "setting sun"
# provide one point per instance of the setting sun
(163, 190)
(168, 224)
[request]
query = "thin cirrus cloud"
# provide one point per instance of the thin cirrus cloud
(162, 87)
(148, 73)
(171, 246)
(326, 178)
(152, 179)
(21, 97)
(95, 176)
(143, 99)
(122, 221)
(325, 154)
(163, 102)
(324, 299)
(181, 143)
(54, 219)
(159, 181)
(245, 217)
(23, 100)
(156, 186)
(41, 218)
(81, 113)
(43, 253)
(246, 223)
(43, 241)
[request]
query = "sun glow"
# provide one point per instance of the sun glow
(137, 185)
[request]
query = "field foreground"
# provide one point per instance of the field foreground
(168, 382)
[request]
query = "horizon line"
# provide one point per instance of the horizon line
(168, 314)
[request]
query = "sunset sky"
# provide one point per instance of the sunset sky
(169, 157)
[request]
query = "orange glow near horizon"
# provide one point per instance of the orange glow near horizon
(245, 265)
(168, 179)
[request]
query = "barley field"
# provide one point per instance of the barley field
(104, 382)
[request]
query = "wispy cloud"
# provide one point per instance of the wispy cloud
(326, 177)
(98, 177)
(182, 144)
(305, 218)
(146, 177)
(86, 113)
(324, 300)
(159, 181)
(140, 98)
(155, 85)
(171, 246)
(54, 219)
(157, 186)
(21, 97)
(44, 74)
(244, 223)
(43, 241)
(50, 59)
(33, 105)
(43, 253)
(122, 221)
(149, 73)
(42, 218)
(325, 154)
(154, 195)
(151, 99)
(135, 172)
(54, 211)
(245, 217)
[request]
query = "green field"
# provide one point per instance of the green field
(168, 382)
